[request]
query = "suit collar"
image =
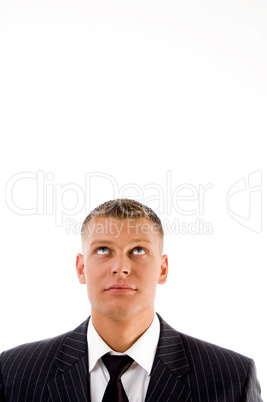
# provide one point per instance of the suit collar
(171, 350)
(170, 364)
(72, 380)
(73, 347)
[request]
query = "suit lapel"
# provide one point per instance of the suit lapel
(169, 366)
(72, 380)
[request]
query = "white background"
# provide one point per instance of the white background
(104, 99)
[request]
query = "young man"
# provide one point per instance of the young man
(124, 351)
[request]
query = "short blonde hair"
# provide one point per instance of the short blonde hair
(124, 208)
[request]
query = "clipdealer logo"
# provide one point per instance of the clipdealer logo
(182, 205)
(244, 201)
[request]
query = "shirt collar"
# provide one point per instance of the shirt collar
(147, 342)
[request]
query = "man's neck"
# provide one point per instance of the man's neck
(118, 334)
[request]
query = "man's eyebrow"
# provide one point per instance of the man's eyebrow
(110, 242)
(100, 242)
(139, 241)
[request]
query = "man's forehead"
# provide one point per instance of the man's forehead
(114, 227)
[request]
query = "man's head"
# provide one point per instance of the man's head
(123, 209)
(122, 260)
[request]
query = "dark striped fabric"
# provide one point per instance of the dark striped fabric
(188, 369)
(185, 369)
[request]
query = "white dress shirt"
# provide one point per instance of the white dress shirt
(135, 380)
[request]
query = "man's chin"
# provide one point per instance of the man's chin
(121, 312)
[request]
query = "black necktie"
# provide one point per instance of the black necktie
(116, 365)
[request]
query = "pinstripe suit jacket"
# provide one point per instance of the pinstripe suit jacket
(184, 369)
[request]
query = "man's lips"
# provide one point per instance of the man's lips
(120, 288)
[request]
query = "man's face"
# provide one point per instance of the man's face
(121, 266)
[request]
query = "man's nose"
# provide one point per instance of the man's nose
(121, 266)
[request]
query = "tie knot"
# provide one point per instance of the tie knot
(116, 365)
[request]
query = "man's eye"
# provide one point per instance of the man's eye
(138, 250)
(102, 250)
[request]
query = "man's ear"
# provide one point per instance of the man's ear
(164, 269)
(80, 268)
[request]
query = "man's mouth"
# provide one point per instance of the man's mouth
(120, 288)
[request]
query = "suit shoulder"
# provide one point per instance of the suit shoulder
(191, 342)
(32, 350)
(42, 347)
(27, 369)
(40, 350)
(201, 353)
(207, 354)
